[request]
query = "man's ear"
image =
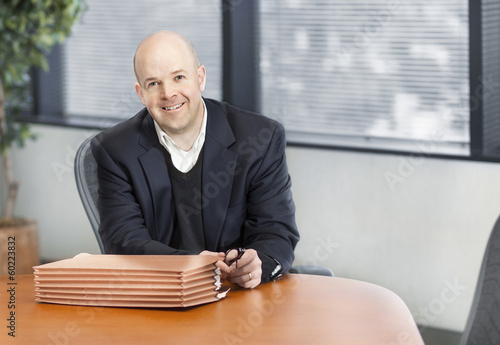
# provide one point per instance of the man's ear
(202, 77)
(138, 90)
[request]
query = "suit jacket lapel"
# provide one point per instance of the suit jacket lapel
(218, 172)
(156, 172)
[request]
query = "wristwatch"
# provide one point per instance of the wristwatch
(277, 270)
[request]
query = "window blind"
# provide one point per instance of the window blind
(376, 74)
(98, 76)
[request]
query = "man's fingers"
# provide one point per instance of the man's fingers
(248, 257)
(231, 255)
(248, 273)
(248, 280)
(245, 272)
(223, 267)
(218, 254)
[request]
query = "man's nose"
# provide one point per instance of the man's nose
(168, 91)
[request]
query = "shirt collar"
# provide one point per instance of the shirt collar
(170, 144)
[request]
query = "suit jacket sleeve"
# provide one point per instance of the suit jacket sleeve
(270, 224)
(122, 226)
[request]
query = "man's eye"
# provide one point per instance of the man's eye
(179, 77)
(153, 83)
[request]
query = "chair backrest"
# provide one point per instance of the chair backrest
(311, 269)
(87, 184)
(483, 324)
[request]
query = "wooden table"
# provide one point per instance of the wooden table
(298, 309)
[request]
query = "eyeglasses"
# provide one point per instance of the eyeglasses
(241, 251)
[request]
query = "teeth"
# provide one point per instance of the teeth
(173, 107)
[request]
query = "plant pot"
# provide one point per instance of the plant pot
(19, 248)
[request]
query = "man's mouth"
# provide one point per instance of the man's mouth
(174, 107)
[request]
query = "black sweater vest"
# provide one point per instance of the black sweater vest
(188, 235)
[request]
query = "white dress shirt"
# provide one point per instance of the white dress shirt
(183, 160)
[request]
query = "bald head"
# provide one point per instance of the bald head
(160, 42)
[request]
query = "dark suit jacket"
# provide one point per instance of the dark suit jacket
(245, 198)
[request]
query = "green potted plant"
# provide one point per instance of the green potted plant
(28, 30)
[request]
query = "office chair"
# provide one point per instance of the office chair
(87, 185)
(483, 324)
(310, 269)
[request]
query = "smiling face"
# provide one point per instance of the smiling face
(170, 82)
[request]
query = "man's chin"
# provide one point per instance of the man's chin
(173, 129)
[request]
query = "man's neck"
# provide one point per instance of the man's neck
(185, 141)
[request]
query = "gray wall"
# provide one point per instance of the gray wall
(423, 238)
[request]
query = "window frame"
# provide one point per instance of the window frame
(241, 81)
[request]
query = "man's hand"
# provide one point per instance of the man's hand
(247, 271)
(224, 269)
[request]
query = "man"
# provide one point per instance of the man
(188, 175)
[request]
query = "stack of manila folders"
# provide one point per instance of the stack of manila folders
(143, 281)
